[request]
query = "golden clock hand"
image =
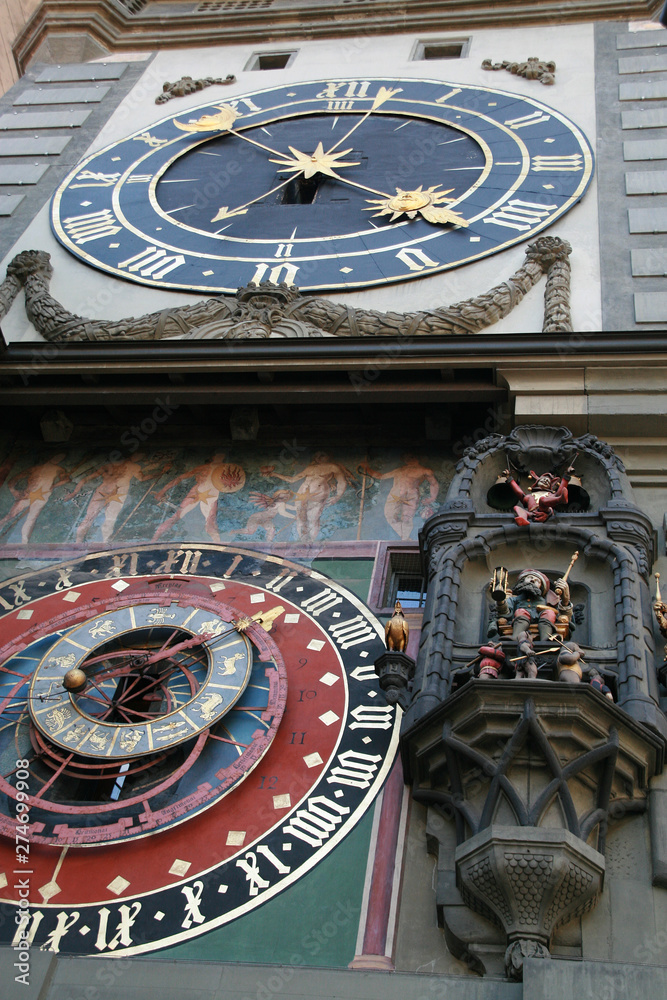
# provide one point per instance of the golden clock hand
(383, 94)
(52, 888)
(222, 122)
(319, 162)
(427, 203)
(263, 618)
(227, 213)
(362, 187)
(260, 145)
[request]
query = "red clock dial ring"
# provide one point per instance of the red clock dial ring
(112, 892)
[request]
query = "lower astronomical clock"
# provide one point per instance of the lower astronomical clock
(184, 732)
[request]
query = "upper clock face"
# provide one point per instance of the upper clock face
(185, 732)
(328, 184)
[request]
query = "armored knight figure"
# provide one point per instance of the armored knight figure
(533, 601)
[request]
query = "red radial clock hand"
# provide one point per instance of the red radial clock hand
(196, 640)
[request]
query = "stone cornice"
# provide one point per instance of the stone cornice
(113, 27)
(480, 350)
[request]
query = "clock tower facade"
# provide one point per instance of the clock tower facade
(298, 325)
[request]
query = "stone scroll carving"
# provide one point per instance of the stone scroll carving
(186, 85)
(267, 310)
(532, 69)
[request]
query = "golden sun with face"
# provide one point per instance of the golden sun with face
(426, 203)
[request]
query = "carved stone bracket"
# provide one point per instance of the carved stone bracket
(268, 310)
(395, 671)
(529, 881)
(531, 773)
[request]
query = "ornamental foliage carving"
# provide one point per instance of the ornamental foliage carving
(258, 312)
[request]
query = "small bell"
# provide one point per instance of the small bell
(577, 497)
(501, 496)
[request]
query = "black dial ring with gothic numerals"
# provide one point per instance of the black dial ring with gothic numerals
(324, 185)
(129, 852)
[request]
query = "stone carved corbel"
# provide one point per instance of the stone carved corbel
(186, 85)
(530, 793)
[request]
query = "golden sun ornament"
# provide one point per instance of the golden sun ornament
(423, 202)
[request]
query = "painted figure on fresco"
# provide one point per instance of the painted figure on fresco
(414, 489)
(111, 494)
(211, 478)
(30, 497)
(323, 483)
(270, 506)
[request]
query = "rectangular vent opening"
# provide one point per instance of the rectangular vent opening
(270, 60)
(133, 6)
(211, 6)
(441, 48)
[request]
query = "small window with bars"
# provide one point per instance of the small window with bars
(405, 582)
(133, 6)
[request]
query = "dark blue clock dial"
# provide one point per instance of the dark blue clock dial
(325, 185)
(389, 152)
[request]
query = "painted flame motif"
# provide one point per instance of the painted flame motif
(228, 478)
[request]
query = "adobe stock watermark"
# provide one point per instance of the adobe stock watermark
(133, 438)
(21, 944)
(339, 917)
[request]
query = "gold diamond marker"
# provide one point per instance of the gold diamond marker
(49, 890)
(180, 867)
(118, 885)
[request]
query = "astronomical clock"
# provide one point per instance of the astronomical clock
(185, 732)
(324, 185)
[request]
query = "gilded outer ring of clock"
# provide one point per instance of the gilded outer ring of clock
(532, 165)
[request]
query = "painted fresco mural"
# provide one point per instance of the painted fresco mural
(75, 495)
